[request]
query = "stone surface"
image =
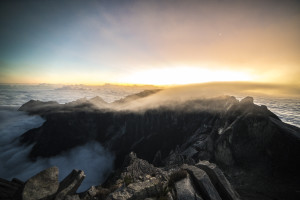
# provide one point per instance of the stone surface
(138, 190)
(72, 197)
(139, 169)
(234, 134)
(70, 184)
(219, 180)
(11, 189)
(206, 188)
(185, 190)
(42, 185)
(137, 179)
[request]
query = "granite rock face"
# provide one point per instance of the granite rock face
(11, 189)
(185, 190)
(218, 179)
(70, 184)
(136, 179)
(42, 185)
(249, 142)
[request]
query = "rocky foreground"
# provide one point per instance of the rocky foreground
(257, 152)
(136, 179)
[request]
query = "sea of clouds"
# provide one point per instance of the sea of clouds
(92, 158)
(96, 161)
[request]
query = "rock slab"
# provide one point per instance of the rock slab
(185, 190)
(219, 180)
(204, 184)
(42, 185)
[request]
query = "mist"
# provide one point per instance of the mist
(92, 158)
(175, 95)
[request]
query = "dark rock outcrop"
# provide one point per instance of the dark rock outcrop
(237, 135)
(219, 180)
(185, 190)
(203, 182)
(70, 184)
(136, 179)
(42, 185)
(11, 190)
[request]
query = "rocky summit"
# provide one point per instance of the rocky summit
(208, 148)
(136, 179)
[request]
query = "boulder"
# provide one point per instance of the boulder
(185, 190)
(247, 100)
(93, 192)
(42, 185)
(206, 188)
(138, 190)
(70, 184)
(72, 197)
(219, 180)
(11, 189)
(139, 169)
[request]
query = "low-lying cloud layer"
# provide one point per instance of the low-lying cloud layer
(92, 158)
(178, 94)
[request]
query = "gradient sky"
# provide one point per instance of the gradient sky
(149, 42)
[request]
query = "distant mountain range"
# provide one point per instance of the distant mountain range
(258, 152)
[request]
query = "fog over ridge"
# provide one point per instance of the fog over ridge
(92, 158)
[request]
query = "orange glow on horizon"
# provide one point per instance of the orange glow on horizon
(184, 75)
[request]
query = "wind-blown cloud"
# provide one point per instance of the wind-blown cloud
(92, 158)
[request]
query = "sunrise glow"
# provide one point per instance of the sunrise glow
(184, 75)
(149, 42)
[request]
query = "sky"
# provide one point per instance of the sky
(149, 42)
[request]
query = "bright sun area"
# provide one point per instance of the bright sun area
(184, 75)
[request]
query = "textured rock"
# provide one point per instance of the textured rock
(11, 189)
(93, 192)
(42, 185)
(247, 100)
(70, 184)
(185, 190)
(157, 160)
(234, 134)
(72, 197)
(206, 188)
(138, 190)
(219, 180)
(137, 179)
(139, 169)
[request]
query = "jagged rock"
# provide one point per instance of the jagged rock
(99, 102)
(94, 192)
(169, 196)
(233, 134)
(145, 182)
(157, 160)
(175, 158)
(206, 188)
(138, 190)
(70, 184)
(11, 189)
(139, 169)
(139, 179)
(247, 100)
(38, 107)
(131, 98)
(42, 185)
(185, 190)
(72, 197)
(219, 180)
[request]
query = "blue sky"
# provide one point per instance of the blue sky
(94, 42)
